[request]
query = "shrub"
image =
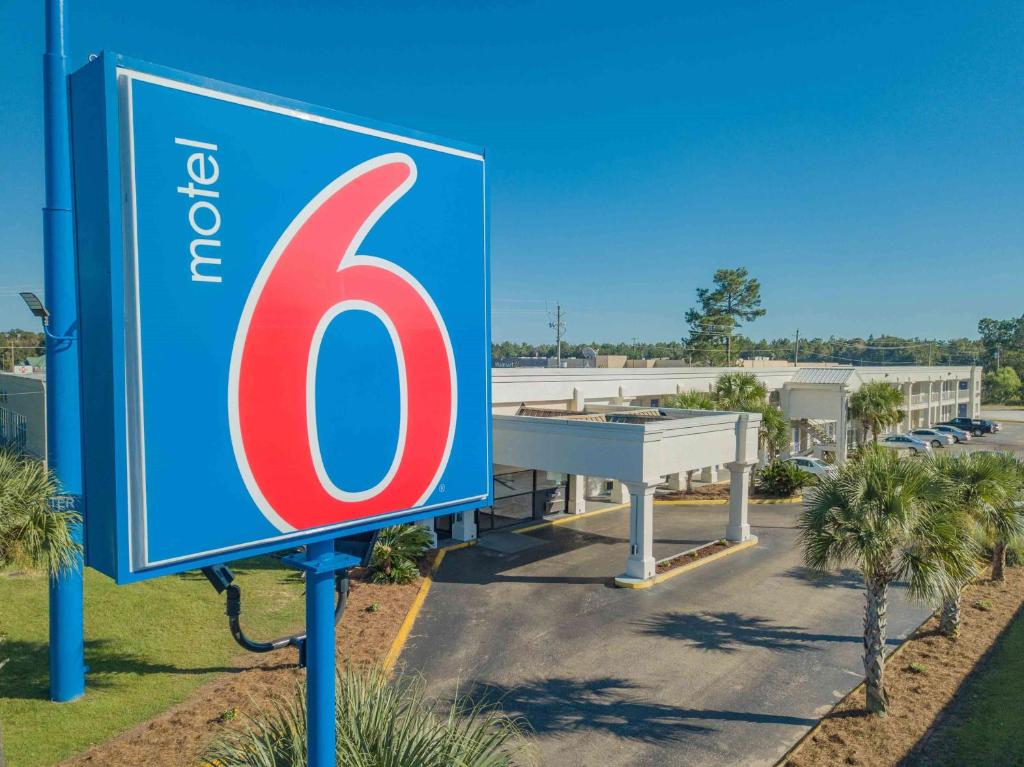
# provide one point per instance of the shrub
(782, 479)
(31, 532)
(380, 723)
(396, 553)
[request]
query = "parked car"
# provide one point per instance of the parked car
(906, 442)
(933, 437)
(958, 434)
(814, 466)
(976, 426)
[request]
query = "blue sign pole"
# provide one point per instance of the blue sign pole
(63, 426)
(320, 669)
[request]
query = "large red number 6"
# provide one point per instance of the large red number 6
(312, 275)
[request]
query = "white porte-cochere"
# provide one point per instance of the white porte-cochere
(638, 448)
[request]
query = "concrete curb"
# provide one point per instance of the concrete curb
(400, 639)
(568, 518)
(630, 583)
(798, 746)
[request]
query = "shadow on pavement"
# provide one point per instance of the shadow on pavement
(730, 631)
(610, 705)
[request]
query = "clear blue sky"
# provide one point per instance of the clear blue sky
(864, 160)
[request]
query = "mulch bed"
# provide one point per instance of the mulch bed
(706, 493)
(178, 736)
(692, 556)
(922, 681)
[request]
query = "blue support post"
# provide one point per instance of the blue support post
(63, 417)
(320, 669)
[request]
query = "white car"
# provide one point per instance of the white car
(959, 435)
(906, 442)
(814, 466)
(933, 437)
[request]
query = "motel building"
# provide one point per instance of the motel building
(568, 440)
(571, 439)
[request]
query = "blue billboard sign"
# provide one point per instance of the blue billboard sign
(284, 328)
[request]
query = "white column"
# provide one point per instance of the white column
(577, 489)
(464, 526)
(578, 402)
(619, 492)
(428, 525)
(739, 496)
(973, 393)
(709, 474)
(908, 404)
(677, 481)
(841, 426)
(640, 564)
(930, 419)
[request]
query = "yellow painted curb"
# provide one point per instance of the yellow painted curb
(724, 501)
(417, 604)
(569, 518)
(687, 568)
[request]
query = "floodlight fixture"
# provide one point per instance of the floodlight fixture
(36, 306)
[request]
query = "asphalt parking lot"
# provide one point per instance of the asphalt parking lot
(1011, 437)
(728, 664)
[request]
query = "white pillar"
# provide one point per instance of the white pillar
(709, 474)
(677, 481)
(620, 494)
(576, 503)
(908, 405)
(974, 393)
(739, 495)
(428, 525)
(578, 402)
(841, 426)
(464, 526)
(640, 564)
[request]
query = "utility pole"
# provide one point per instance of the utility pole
(63, 416)
(559, 328)
(796, 353)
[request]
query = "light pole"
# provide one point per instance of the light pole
(63, 417)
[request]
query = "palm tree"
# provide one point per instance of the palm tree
(773, 433)
(876, 405)
(740, 391)
(1002, 522)
(31, 533)
(691, 400)
(979, 482)
(892, 519)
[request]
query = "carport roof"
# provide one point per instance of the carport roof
(824, 375)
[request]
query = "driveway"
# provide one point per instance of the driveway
(729, 664)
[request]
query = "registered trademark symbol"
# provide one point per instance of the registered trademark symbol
(440, 488)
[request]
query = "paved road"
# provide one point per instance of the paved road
(726, 665)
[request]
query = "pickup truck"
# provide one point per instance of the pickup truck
(976, 426)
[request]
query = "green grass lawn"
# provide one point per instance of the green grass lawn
(990, 731)
(147, 646)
